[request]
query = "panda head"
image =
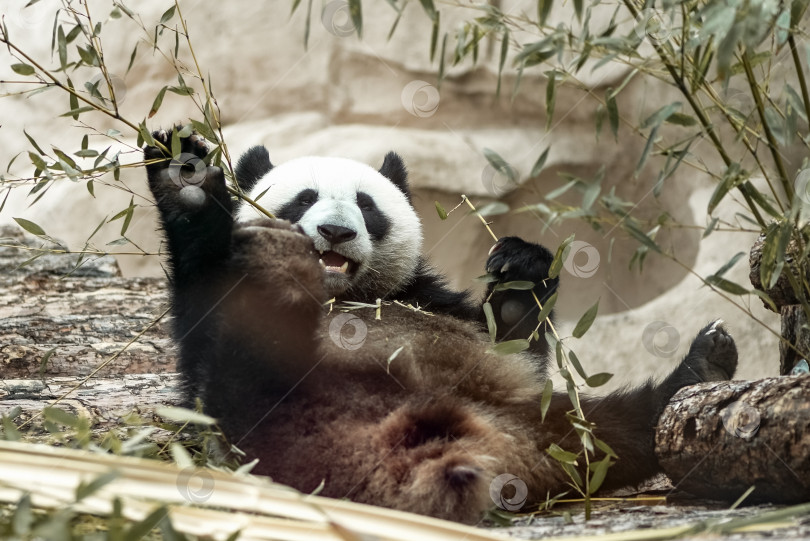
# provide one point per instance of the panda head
(366, 233)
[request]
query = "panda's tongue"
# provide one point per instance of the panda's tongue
(334, 262)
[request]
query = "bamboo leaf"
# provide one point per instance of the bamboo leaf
(585, 321)
(140, 530)
(726, 285)
(30, 226)
(429, 8)
(597, 380)
(502, 59)
(543, 9)
(520, 285)
(548, 306)
(681, 119)
(561, 455)
(183, 415)
(157, 103)
(540, 163)
(492, 327)
(613, 112)
(599, 472)
(501, 165)
(440, 210)
(88, 489)
(511, 346)
(356, 14)
(574, 360)
(641, 236)
(167, 15)
(493, 209)
(551, 98)
(22, 69)
(61, 417)
(658, 117)
(33, 143)
(559, 258)
(545, 400)
(731, 262)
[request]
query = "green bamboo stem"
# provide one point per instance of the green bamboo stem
(797, 63)
(701, 115)
(774, 146)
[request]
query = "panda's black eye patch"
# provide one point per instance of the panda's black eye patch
(365, 202)
(298, 205)
(307, 197)
(377, 223)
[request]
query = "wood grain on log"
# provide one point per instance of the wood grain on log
(795, 333)
(781, 293)
(717, 439)
(84, 315)
(104, 400)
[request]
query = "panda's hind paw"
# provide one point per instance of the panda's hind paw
(713, 354)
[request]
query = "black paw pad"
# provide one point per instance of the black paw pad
(713, 354)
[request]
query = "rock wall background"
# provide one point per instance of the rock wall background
(346, 97)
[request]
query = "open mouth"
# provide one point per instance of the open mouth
(337, 263)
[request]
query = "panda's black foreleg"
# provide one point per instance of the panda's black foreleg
(516, 310)
(194, 205)
(195, 213)
(626, 419)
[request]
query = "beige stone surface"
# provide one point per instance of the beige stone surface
(359, 99)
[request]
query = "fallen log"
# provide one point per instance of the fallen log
(104, 400)
(716, 440)
(62, 316)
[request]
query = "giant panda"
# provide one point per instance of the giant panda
(328, 348)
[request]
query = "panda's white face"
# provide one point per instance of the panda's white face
(365, 230)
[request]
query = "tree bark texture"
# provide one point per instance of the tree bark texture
(795, 344)
(104, 400)
(796, 334)
(782, 293)
(76, 318)
(718, 439)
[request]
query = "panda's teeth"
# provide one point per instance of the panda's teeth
(322, 263)
(344, 267)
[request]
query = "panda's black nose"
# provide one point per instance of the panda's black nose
(336, 233)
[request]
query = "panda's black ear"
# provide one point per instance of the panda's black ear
(252, 165)
(393, 168)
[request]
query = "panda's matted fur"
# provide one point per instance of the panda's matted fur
(389, 405)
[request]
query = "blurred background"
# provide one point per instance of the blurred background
(359, 98)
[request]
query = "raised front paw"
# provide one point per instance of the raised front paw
(512, 259)
(712, 356)
(276, 254)
(177, 169)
